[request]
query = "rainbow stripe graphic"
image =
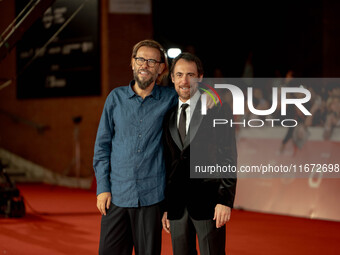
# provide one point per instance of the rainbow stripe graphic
(210, 94)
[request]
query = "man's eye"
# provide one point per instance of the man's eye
(152, 61)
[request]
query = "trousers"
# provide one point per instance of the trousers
(211, 240)
(125, 228)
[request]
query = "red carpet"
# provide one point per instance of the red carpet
(66, 221)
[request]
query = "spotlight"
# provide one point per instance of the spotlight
(174, 52)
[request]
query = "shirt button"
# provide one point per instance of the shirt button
(139, 135)
(138, 151)
(140, 120)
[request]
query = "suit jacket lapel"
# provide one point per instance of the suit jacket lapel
(194, 125)
(174, 130)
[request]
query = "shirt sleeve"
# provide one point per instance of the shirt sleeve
(173, 97)
(102, 148)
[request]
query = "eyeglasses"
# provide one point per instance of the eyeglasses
(151, 62)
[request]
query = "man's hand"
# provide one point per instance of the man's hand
(103, 202)
(210, 101)
(166, 222)
(222, 215)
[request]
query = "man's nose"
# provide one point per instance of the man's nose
(145, 64)
(186, 79)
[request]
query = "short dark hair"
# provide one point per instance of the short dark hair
(190, 58)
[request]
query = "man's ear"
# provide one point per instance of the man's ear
(200, 78)
(161, 68)
(133, 64)
(172, 78)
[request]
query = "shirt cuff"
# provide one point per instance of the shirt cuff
(103, 186)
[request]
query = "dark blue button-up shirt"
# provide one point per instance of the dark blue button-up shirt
(128, 155)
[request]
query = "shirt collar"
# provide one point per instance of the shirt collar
(131, 93)
(155, 93)
(191, 102)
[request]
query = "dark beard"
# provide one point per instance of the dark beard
(142, 84)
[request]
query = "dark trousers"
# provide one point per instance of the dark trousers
(123, 228)
(211, 240)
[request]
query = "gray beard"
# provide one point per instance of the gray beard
(142, 84)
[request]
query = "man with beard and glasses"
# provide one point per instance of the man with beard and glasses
(128, 156)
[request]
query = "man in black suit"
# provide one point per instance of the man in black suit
(201, 205)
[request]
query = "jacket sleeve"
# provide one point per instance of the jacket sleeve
(227, 151)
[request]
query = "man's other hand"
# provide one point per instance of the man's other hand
(103, 202)
(222, 215)
(166, 222)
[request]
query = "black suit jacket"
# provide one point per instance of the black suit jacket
(208, 146)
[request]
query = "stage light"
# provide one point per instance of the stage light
(174, 52)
